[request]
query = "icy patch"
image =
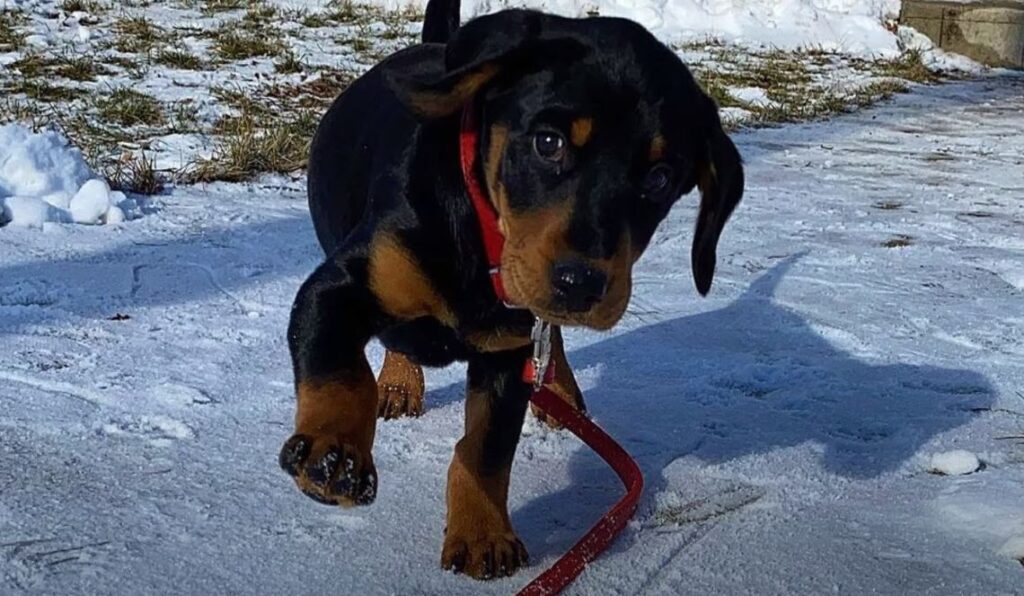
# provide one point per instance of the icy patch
(43, 179)
(955, 463)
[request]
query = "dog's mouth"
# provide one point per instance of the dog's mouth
(575, 296)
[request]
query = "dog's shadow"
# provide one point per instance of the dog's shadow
(747, 379)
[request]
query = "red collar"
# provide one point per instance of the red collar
(494, 241)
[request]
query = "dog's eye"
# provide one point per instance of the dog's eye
(549, 145)
(657, 180)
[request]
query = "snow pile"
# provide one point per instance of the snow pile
(853, 26)
(955, 463)
(43, 179)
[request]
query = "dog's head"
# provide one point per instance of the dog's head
(590, 130)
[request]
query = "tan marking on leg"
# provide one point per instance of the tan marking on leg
(479, 537)
(338, 414)
(400, 387)
(400, 285)
(581, 131)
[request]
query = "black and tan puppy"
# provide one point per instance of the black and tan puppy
(590, 129)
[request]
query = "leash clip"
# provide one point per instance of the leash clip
(537, 367)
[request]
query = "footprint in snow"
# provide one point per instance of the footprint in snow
(159, 431)
(174, 394)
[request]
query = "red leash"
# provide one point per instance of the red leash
(597, 540)
(538, 372)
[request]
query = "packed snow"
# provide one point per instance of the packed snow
(853, 26)
(955, 463)
(45, 180)
(785, 425)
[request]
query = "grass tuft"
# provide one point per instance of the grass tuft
(90, 6)
(129, 107)
(236, 43)
(899, 241)
(178, 59)
(135, 173)
(10, 38)
(136, 34)
(289, 63)
(252, 145)
(910, 66)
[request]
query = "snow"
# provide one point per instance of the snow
(854, 26)
(785, 424)
(43, 179)
(955, 463)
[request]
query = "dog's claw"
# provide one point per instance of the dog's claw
(485, 558)
(294, 452)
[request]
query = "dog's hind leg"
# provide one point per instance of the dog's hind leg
(564, 384)
(400, 387)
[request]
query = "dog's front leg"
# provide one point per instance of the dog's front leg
(330, 454)
(479, 539)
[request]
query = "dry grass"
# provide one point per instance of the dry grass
(77, 68)
(137, 34)
(129, 107)
(233, 42)
(254, 145)
(135, 173)
(289, 63)
(90, 6)
(899, 241)
(10, 38)
(178, 59)
(910, 67)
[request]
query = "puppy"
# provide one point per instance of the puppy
(588, 131)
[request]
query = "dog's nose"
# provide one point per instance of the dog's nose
(577, 286)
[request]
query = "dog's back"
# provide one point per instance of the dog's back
(346, 144)
(354, 133)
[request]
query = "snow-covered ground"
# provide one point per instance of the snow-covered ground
(867, 321)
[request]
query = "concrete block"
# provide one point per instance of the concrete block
(990, 31)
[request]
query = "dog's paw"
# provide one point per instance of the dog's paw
(484, 555)
(398, 400)
(330, 471)
(400, 388)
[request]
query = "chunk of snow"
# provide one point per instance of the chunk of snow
(29, 212)
(955, 463)
(91, 203)
(43, 179)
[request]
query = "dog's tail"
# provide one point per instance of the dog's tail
(441, 20)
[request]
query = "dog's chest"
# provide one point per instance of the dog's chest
(428, 342)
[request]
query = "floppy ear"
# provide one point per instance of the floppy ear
(477, 53)
(720, 178)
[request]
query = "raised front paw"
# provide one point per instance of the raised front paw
(329, 470)
(483, 554)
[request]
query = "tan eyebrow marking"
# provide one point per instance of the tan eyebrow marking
(657, 148)
(582, 128)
